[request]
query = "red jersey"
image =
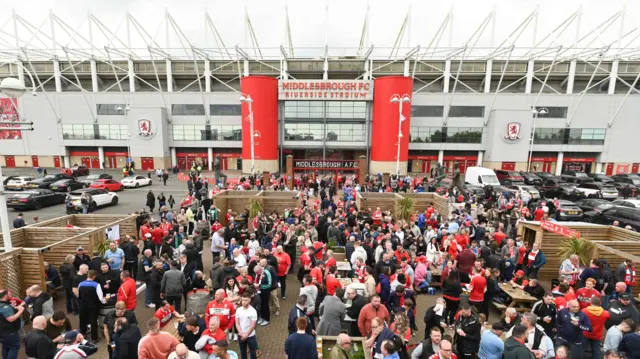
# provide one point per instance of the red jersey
(499, 237)
(462, 240)
(400, 255)
(332, 284)
(584, 295)
(319, 247)
(218, 335)
(144, 230)
(225, 311)
(561, 302)
(538, 214)
(164, 315)
(284, 262)
(215, 227)
(240, 278)
(479, 283)
(377, 217)
(305, 261)
(157, 234)
(522, 250)
(437, 356)
(166, 227)
(316, 274)
(330, 262)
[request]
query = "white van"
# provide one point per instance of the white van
(481, 176)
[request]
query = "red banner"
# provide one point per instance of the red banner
(558, 229)
(8, 113)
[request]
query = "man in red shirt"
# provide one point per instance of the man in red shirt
(401, 254)
(538, 213)
(584, 295)
(598, 317)
(331, 282)
(165, 313)
(318, 248)
(317, 272)
(465, 260)
(127, 291)
(331, 261)
(157, 234)
(214, 332)
(222, 309)
(477, 287)
(284, 263)
(499, 236)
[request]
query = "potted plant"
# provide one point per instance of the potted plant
(339, 252)
(404, 208)
(583, 248)
(101, 247)
(255, 207)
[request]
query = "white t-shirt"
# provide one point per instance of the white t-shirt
(246, 316)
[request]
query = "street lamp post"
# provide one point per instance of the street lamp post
(11, 87)
(249, 101)
(536, 112)
(125, 112)
(399, 100)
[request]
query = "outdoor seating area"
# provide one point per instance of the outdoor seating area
(238, 201)
(611, 243)
(51, 241)
(389, 200)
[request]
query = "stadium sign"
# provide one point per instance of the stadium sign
(321, 164)
(331, 90)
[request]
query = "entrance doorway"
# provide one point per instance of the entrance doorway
(56, 161)
(86, 161)
(508, 166)
(34, 161)
(9, 161)
(147, 163)
(609, 171)
(634, 167)
(546, 166)
(95, 162)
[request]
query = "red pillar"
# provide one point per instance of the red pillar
(263, 90)
(384, 129)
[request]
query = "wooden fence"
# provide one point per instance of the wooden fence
(388, 201)
(238, 201)
(11, 271)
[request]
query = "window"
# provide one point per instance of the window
(353, 132)
(207, 133)
(187, 110)
(325, 109)
(466, 111)
(78, 132)
(346, 109)
(427, 111)
(553, 112)
(189, 132)
(303, 131)
(112, 132)
(569, 136)
(110, 109)
(549, 136)
(226, 133)
(446, 135)
(304, 109)
(225, 110)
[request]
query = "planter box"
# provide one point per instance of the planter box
(326, 343)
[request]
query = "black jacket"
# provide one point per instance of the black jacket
(431, 319)
(38, 302)
(95, 263)
(131, 251)
(67, 271)
(470, 343)
(155, 280)
(542, 310)
(356, 306)
(84, 259)
(38, 345)
(127, 342)
(190, 252)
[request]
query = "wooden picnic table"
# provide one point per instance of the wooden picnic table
(436, 276)
(520, 300)
(344, 268)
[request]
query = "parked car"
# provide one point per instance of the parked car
(557, 188)
(92, 178)
(575, 177)
(618, 177)
(136, 181)
(79, 171)
(599, 190)
(623, 184)
(568, 211)
(531, 179)
(533, 192)
(35, 199)
(46, 181)
(506, 176)
(17, 183)
(107, 184)
(543, 175)
(632, 203)
(626, 216)
(591, 204)
(66, 184)
(100, 198)
(599, 177)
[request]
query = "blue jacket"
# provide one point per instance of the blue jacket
(569, 332)
(538, 262)
(421, 221)
(385, 289)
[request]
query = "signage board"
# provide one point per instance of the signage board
(324, 164)
(558, 229)
(325, 90)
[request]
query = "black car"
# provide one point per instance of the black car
(626, 216)
(629, 184)
(592, 204)
(599, 177)
(575, 177)
(531, 179)
(79, 171)
(543, 175)
(633, 176)
(67, 184)
(35, 199)
(557, 188)
(46, 181)
(92, 178)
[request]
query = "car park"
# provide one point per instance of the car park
(66, 184)
(34, 199)
(625, 216)
(557, 188)
(509, 176)
(46, 181)
(633, 176)
(629, 184)
(598, 190)
(543, 175)
(599, 177)
(531, 179)
(99, 198)
(136, 181)
(79, 171)
(17, 183)
(533, 192)
(92, 178)
(575, 177)
(632, 203)
(592, 204)
(107, 184)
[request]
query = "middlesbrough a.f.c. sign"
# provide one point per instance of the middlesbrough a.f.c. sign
(323, 90)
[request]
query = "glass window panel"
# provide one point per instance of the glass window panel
(225, 110)
(110, 109)
(553, 112)
(187, 110)
(466, 111)
(427, 111)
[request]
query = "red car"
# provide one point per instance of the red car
(107, 184)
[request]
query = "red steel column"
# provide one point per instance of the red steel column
(263, 90)
(384, 127)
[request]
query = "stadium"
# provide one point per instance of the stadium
(540, 90)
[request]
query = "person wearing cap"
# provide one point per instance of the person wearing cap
(80, 258)
(37, 344)
(491, 344)
(622, 309)
(75, 347)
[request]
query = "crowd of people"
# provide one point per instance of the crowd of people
(460, 262)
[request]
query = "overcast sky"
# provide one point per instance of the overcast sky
(307, 21)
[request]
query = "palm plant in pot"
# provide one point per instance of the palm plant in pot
(255, 207)
(581, 247)
(404, 208)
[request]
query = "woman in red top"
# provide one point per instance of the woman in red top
(305, 264)
(477, 287)
(401, 328)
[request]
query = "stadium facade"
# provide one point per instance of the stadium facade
(100, 105)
